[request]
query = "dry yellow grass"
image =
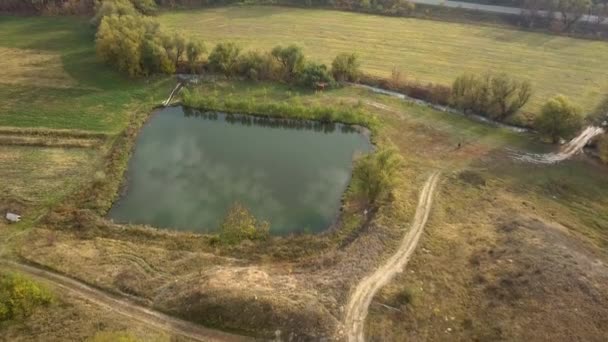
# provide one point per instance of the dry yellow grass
(35, 174)
(33, 67)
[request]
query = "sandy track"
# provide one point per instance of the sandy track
(176, 89)
(573, 147)
(361, 298)
(127, 308)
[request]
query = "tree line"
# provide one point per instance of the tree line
(137, 45)
(563, 15)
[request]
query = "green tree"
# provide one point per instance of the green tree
(239, 224)
(19, 296)
(375, 175)
(314, 74)
(224, 58)
(291, 59)
(255, 66)
(559, 119)
(194, 51)
(345, 67)
(507, 96)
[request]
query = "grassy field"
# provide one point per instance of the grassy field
(51, 78)
(429, 51)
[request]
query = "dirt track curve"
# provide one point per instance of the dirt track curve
(127, 308)
(361, 298)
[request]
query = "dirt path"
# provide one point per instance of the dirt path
(127, 308)
(358, 304)
(573, 147)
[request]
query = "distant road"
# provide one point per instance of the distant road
(493, 8)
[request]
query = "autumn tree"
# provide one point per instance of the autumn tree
(135, 45)
(345, 67)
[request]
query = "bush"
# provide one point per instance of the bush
(224, 58)
(559, 119)
(290, 58)
(603, 148)
(194, 50)
(314, 74)
(19, 296)
(258, 66)
(375, 175)
(496, 96)
(345, 67)
(239, 225)
(439, 94)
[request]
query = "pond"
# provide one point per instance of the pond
(189, 167)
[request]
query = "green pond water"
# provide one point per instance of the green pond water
(189, 167)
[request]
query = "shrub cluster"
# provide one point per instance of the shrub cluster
(497, 96)
(292, 109)
(19, 296)
(286, 64)
(239, 224)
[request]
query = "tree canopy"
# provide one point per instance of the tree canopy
(559, 119)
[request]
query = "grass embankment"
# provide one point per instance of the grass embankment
(429, 51)
(255, 100)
